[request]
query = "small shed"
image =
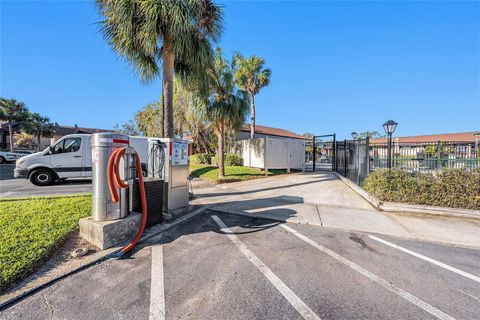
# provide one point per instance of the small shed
(273, 153)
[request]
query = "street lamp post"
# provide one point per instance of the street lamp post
(389, 128)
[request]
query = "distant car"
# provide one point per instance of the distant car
(23, 153)
(7, 156)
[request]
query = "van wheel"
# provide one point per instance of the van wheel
(42, 177)
(2, 159)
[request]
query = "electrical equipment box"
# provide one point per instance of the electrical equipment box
(174, 171)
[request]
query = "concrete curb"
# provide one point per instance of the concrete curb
(43, 282)
(374, 202)
(409, 208)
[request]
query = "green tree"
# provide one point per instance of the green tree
(370, 135)
(23, 140)
(224, 104)
(128, 128)
(146, 120)
(251, 76)
(176, 34)
(38, 126)
(12, 111)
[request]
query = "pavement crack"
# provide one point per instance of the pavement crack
(319, 216)
(45, 301)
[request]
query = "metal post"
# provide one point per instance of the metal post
(345, 158)
(313, 144)
(439, 154)
(358, 160)
(334, 147)
(389, 151)
(367, 143)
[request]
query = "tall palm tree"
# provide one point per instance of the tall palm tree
(251, 76)
(171, 36)
(38, 126)
(12, 111)
(224, 105)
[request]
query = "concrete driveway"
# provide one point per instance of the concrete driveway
(321, 199)
(219, 266)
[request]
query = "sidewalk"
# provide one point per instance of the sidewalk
(321, 199)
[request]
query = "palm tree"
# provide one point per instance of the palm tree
(224, 105)
(176, 34)
(12, 111)
(251, 76)
(38, 126)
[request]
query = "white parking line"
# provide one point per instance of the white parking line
(384, 283)
(157, 294)
(291, 297)
(435, 262)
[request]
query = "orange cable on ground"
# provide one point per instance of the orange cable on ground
(114, 181)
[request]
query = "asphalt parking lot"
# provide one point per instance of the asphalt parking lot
(11, 187)
(219, 266)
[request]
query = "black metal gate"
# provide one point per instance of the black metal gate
(320, 153)
(352, 159)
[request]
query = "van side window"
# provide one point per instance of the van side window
(68, 145)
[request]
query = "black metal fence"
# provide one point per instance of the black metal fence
(320, 153)
(355, 159)
(425, 156)
(352, 159)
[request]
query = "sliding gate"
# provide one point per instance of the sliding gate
(320, 153)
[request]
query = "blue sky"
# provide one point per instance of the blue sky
(337, 66)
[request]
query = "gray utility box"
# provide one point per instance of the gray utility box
(175, 173)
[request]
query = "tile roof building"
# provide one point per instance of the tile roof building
(444, 137)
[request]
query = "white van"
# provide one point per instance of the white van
(69, 157)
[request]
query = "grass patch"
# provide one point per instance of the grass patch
(31, 227)
(232, 173)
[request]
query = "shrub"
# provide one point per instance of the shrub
(231, 160)
(201, 158)
(457, 188)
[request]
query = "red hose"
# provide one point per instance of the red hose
(114, 181)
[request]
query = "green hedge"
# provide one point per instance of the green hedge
(231, 160)
(456, 188)
(201, 158)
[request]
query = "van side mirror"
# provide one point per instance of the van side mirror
(51, 149)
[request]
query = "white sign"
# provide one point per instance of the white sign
(180, 153)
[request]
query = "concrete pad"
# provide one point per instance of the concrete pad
(360, 220)
(272, 209)
(106, 234)
(322, 199)
(449, 230)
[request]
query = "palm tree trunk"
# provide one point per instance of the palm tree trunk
(10, 129)
(168, 70)
(221, 156)
(38, 141)
(252, 112)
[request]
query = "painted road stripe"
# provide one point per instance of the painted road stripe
(384, 283)
(291, 297)
(157, 293)
(435, 262)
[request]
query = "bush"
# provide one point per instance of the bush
(201, 158)
(231, 160)
(456, 188)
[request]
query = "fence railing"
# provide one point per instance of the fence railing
(425, 156)
(356, 159)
